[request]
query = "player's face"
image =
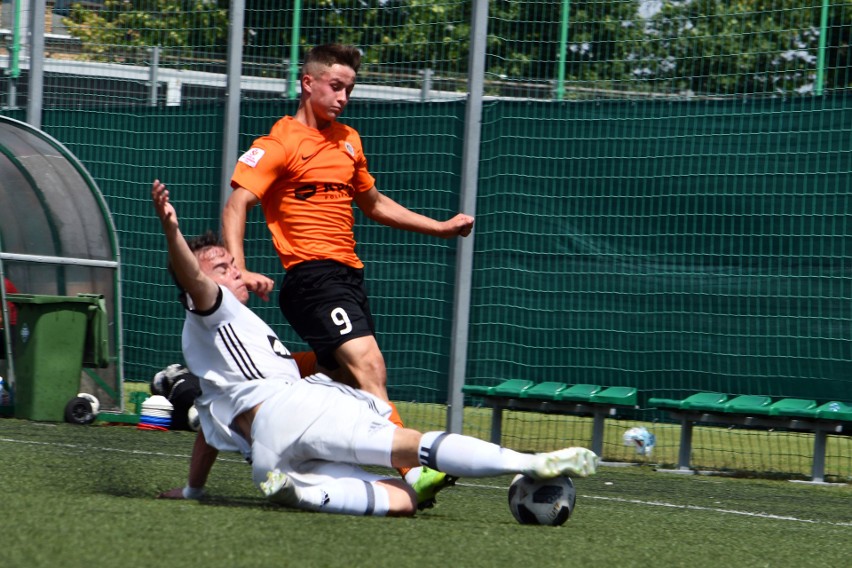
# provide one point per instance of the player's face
(218, 264)
(329, 89)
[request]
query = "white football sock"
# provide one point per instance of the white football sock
(346, 496)
(413, 475)
(465, 456)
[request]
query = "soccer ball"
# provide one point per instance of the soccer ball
(193, 421)
(542, 502)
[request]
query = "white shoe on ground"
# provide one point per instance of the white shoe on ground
(280, 489)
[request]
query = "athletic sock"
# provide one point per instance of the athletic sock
(464, 456)
(411, 475)
(347, 497)
(394, 416)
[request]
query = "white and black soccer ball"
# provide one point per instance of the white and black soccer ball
(542, 502)
(192, 419)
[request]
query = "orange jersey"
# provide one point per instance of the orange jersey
(306, 361)
(306, 180)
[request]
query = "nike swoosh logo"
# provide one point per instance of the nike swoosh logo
(306, 158)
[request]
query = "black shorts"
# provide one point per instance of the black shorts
(326, 303)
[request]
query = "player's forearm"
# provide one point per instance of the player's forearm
(390, 213)
(203, 457)
(234, 230)
(184, 263)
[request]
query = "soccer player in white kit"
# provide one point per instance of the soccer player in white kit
(307, 437)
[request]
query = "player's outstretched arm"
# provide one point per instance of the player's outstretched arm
(234, 217)
(203, 457)
(382, 209)
(200, 287)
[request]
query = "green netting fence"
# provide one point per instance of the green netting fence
(663, 196)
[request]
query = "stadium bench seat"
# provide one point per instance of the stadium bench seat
(748, 404)
(544, 391)
(477, 390)
(512, 387)
(578, 392)
(759, 412)
(792, 407)
(835, 410)
(665, 403)
(704, 399)
(738, 404)
(680, 404)
(623, 396)
(556, 398)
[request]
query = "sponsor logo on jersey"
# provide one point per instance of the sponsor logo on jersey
(326, 190)
(278, 347)
(350, 149)
(252, 157)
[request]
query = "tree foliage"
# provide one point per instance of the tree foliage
(705, 47)
(737, 47)
(185, 26)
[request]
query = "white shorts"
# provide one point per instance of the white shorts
(317, 430)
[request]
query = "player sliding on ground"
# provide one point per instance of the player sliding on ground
(307, 437)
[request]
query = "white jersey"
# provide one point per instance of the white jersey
(240, 361)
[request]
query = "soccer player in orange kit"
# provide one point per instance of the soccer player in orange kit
(305, 174)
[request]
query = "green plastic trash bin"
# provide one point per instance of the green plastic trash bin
(49, 345)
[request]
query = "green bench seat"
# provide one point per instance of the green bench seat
(554, 397)
(477, 390)
(699, 398)
(544, 391)
(748, 404)
(792, 407)
(510, 388)
(835, 410)
(623, 396)
(739, 404)
(756, 411)
(579, 392)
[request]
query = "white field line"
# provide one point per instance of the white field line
(685, 507)
(462, 484)
(114, 450)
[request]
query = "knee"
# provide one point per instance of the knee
(372, 366)
(405, 451)
(370, 374)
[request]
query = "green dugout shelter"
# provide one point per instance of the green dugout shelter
(58, 248)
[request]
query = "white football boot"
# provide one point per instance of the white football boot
(568, 461)
(280, 489)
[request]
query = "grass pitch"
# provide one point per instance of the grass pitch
(84, 496)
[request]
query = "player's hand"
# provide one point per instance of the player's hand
(165, 210)
(176, 493)
(459, 226)
(258, 284)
